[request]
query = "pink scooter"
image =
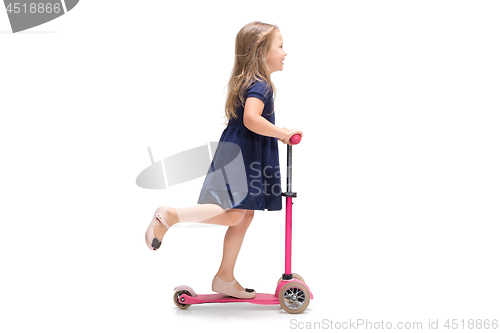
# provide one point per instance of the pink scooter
(292, 293)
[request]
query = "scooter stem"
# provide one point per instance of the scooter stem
(288, 237)
(289, 195)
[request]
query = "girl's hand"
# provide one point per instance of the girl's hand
(289, 133)
(286, 130)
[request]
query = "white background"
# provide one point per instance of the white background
(397, 176)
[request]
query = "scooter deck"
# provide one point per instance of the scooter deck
(221, 298)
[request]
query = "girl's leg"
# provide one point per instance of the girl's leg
(232, 244)
(205, 213)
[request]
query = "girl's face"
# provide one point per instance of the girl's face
(276, 54)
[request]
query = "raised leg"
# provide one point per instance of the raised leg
(205, 213)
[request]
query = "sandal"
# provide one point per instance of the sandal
(151, 240)
(227, 288)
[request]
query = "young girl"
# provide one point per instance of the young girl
(250, 114)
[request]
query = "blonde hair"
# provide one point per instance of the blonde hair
(253, 43)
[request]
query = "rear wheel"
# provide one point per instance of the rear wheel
(177, 298)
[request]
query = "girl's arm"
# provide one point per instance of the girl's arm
(253, 120)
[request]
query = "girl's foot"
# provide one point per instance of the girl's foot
(159, 226)
(170, 216)
(231, 288)
(227, 279)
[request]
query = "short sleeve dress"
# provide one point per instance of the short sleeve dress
(245, 170)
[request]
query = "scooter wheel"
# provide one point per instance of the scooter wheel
(177, 295)
(295, 276)
(294, 297)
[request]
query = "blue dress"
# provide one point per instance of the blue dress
(245, 170)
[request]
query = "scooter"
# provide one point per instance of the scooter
(292, 293)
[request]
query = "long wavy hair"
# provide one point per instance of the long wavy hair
(253, 43)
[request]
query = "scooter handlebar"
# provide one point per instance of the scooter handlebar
(295, 139)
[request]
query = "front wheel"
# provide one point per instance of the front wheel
(294, 297)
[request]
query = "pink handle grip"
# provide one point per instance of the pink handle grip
(295, 139)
